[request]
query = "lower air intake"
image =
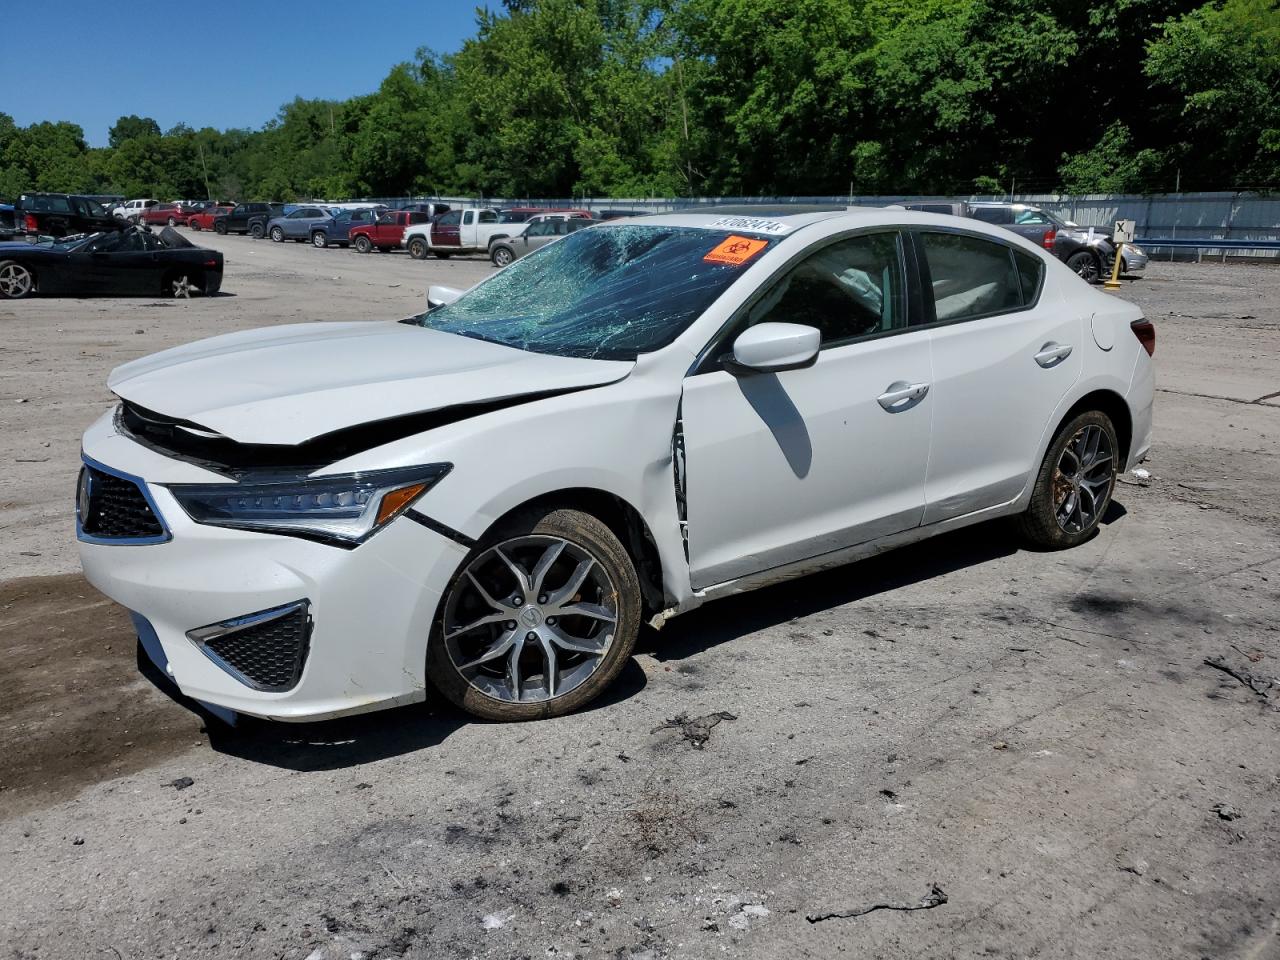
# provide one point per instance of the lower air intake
(265, 650)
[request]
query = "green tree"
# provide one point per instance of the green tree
(132, 127)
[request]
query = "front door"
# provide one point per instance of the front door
(1002, 363)
(445, 231)
(786, 466)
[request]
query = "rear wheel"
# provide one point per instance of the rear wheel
(1073, 488)
(182, 285)
(363, 245)
(418, 248)
(16, 280)
(173, 221)
(540, 619)
(1085, 265)
(194, 225)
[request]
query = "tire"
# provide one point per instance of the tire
(17, 280)
(363, 245)
(277, 235)
(418, 248)
(441, 255)
(501, 256)
(173, 221)
(220, 228)
(1054, 491)
(194, 225)
(602, 640)
(1085, 265)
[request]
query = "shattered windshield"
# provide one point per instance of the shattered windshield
(608, 293)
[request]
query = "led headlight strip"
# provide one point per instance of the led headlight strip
(344, 509)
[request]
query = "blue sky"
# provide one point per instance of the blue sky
(220, 63)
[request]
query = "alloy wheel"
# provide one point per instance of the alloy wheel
(277, 235)
(530, 619)
(1083, 479)
(15, 280)
(502, 256)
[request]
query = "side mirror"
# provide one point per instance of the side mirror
(769, 347)
(439, 296)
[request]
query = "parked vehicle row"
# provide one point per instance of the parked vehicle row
(1086, 250)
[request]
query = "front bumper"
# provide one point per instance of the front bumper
(1133, 260)
(371, 608)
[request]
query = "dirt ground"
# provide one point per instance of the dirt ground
(1036, 734)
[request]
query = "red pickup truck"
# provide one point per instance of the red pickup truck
(386, 232)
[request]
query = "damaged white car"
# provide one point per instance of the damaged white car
(490, 498)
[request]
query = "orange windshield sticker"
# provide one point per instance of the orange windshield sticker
(736, 251)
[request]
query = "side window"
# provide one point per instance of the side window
(240, 211)
(107, 243)
(418, 218)
(488, 216)
(971, 277)
(540, 229)
(849, 289)
(993, 214)
(1030, 276)
(1031, 216)
(450, 219)
(468, 218)
(391, 218)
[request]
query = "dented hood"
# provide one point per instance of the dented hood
(289, 384)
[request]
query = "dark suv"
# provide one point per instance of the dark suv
(250, 218)
(62, 215)
(1086, 250)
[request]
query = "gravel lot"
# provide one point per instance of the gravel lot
(1037, 734)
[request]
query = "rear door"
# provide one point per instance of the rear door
(446, 231)
(1003, 359)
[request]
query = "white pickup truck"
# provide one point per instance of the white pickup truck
(465, 230)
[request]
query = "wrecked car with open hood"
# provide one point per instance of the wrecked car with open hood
(490, 498)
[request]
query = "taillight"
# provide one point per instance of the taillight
(29, 222)
(1145, 331)
(1050, 235)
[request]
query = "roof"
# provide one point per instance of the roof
(762, 219)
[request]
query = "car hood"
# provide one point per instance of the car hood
(290, 384)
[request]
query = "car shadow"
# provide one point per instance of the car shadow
(731, 617)
(351, 741)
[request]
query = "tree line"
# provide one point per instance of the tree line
(628, 98)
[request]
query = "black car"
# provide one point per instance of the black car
(130, 261)
(62, 215)
(8, 229)
(250, 218)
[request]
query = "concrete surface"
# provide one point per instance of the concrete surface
(1035, 733)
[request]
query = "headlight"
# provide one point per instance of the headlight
(344, 509)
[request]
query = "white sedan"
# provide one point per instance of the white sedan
(490, 498)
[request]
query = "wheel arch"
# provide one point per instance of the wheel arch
(1114, 406)
(626, 523)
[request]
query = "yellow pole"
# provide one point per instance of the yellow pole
(1114, 282)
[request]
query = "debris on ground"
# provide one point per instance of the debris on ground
(934, 898)
(1226, 812)
(697, 730)
(1259, 685)
(181, 783)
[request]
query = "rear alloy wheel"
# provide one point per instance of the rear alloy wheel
(1085, 265)
(277, 235)
(180, 287)
(501, 256)
(320, 239)
(363, 245)
(539, 621)
(1074, 486)
(16, 280)
(418, 248)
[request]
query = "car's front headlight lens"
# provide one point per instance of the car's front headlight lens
(345, 509)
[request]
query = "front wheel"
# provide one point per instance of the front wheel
(320, 239)
(220, 229)
(540, 619)
(194, 225)
(173, 221)
(363, 245)
(1085, 265)
(1073, 488)
(501, 256)
(418, 248)
(16, 280)
(277, 235)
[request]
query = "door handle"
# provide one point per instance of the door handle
(901, 395)
(1053, 353)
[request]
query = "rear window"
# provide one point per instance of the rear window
(45, 204)
(971, 277)
(993, 214)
